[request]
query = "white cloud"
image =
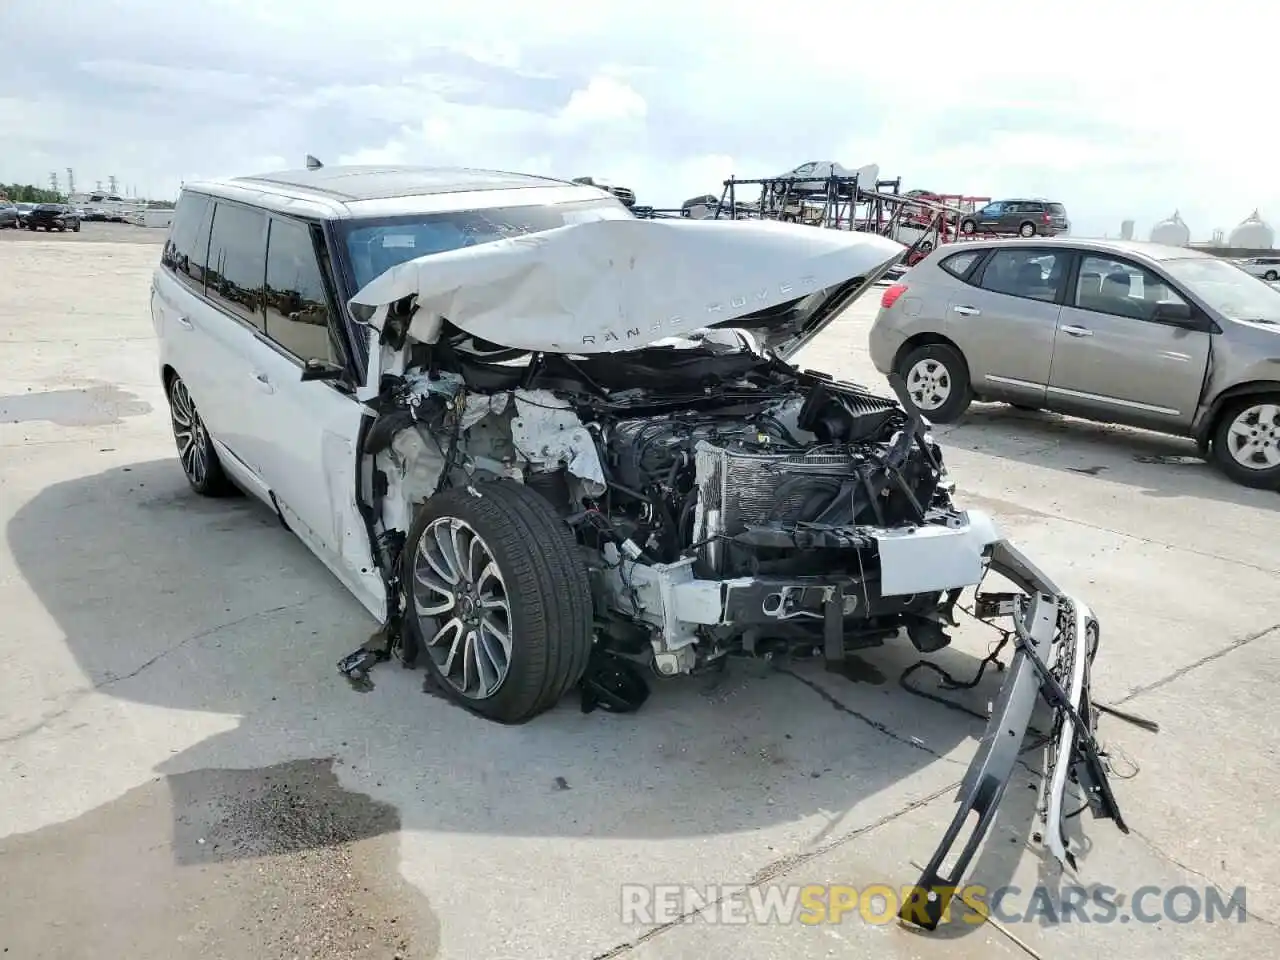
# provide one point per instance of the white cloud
(1118, 110)
(603, 100)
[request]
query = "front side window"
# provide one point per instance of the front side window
(992, 210)
(1121, 288)
(375, 246)
(297, 308)
(1031, 273)
(1233, 293)
(237, 260)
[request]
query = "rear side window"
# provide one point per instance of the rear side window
(1027, 272)
(237, 260)
(1058, 209)
(958, 264)
(297, 308)
(187, 247)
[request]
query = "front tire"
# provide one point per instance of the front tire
(1246, 442)
(499, 600)
(968, 227)
(195, 447)
(937, 380)
(1271, 275)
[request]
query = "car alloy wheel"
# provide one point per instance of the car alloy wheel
(195, 448)
(929, 384)
(1271, 275)
(497, 599)
(1027, 230)
(457, 584)
(1253, 439)
(189, 433)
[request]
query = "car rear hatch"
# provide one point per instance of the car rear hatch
(1057, 214)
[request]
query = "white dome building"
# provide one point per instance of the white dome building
(1253, 234)
(1172, 232)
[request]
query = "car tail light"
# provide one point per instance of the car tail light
(890, 296)
(1048, 219)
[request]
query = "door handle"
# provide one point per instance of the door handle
(264, 382)
(967, 311)
(185, 324)
(1074, 331)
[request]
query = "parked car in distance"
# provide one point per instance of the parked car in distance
(53, 216)
(1164, 338)
(9, 214)
(24, 211)
(1267, 268)
(1027, 218)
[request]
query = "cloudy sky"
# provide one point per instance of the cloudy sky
(1129, 108)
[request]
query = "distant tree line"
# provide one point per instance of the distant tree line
(27, 193)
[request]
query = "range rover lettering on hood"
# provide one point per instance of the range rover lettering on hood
(733, 309)
(613, 285)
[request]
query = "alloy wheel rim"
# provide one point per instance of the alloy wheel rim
(1253, 439)
(188, 432)
(929, 384)
(462, 604)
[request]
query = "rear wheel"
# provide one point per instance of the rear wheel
(937, 380)
(1246, 442)
(1271, 275)
(195, 447)
(1027, 230)
(499, 599)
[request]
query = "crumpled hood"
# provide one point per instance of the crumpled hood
(623, 284)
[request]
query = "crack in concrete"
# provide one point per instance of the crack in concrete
(1155, 848)
(776, 868)
(875, 725)
(1208, 658)
(76, 696)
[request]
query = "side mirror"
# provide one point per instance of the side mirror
(1174, 314)
(322, 370)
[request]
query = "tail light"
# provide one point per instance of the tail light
(1048, 219)
(891, 295)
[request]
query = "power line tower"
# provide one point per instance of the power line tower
(113, 186)
(53, 181)
(71, 182)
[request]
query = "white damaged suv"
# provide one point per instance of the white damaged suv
(545, 443)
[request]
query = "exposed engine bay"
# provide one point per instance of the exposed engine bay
(733, 503)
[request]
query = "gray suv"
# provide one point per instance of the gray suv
(1163, 338)
(1027, 218)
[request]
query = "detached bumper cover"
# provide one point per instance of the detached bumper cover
(1057, 638)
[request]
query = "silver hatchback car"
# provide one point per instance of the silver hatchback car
(1163, 338)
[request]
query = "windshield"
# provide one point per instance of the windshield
(375, 246)
(1226, 288)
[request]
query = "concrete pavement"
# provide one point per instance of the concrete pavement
(184, 774)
